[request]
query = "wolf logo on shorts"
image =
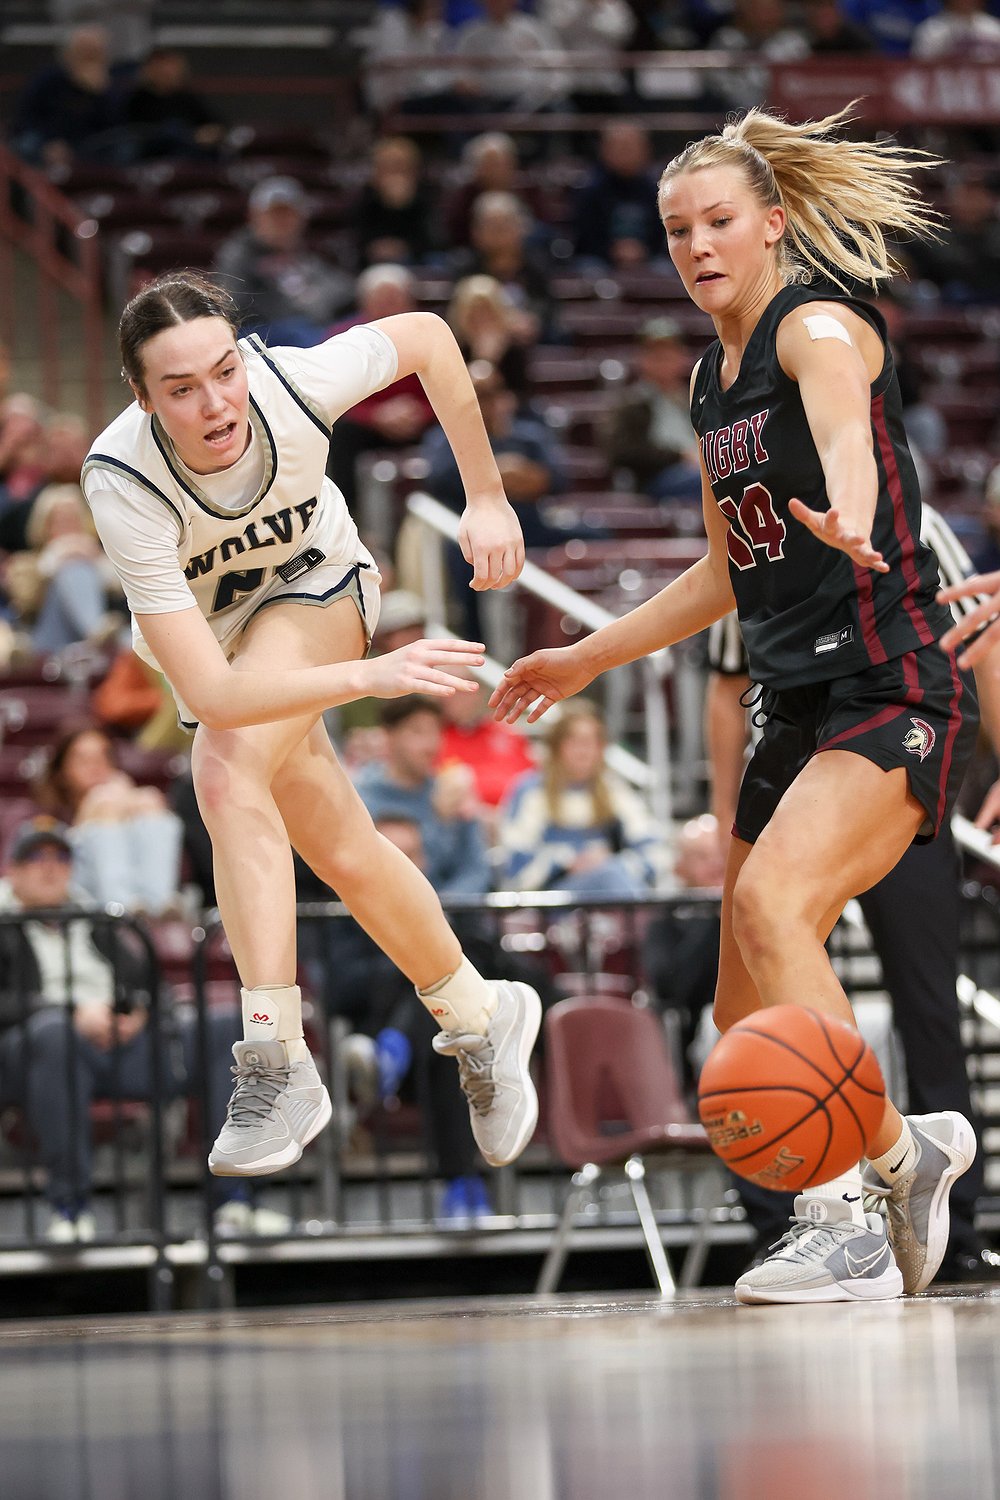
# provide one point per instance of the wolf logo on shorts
(920, 739)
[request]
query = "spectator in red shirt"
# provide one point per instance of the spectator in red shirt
(496, 754)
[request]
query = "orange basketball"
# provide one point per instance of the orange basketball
(790, 1098)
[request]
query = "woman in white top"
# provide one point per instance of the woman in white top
(251, 591)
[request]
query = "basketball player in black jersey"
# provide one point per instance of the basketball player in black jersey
(812, 513)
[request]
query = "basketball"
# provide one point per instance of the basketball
(790, 1098)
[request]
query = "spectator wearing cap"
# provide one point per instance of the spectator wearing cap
(616, 223)
(285, 292)
(74, 1023)
(647, 435)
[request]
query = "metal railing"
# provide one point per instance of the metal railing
(368, 1191)
(62, 252)
(653, 774)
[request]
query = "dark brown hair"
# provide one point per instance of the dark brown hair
(175, 297)
(50, 789)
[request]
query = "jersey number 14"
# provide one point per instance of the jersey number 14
(754, 525)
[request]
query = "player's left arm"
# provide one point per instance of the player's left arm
(833, 355)
(490, 533)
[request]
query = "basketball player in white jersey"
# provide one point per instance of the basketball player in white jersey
(251, 591)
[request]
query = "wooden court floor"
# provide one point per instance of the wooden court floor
(511, 1399)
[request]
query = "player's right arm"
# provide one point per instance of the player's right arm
(702, 594)
(224, 698)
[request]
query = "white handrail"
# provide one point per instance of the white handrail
(651, 775)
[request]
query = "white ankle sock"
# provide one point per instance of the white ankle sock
(848, 1188)
(273, 1013)
(899, 1159)
(462, 1001)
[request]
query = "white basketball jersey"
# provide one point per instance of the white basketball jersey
(173, 544)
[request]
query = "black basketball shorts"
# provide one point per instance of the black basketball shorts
(919, 711)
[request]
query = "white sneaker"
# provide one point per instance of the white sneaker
(493, 1072)
(234, 1219)
(277, 1108)
(63, 1230)
(825, 1257)
(916, 1204)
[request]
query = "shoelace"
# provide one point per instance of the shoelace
(475, 1070)
(256, 1090)
(879, 1200)
(796, 1244)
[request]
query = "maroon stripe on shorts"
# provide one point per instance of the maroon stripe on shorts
(904, 533)
(954, 721)
(884, 715)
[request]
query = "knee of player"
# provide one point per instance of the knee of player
(758, 915)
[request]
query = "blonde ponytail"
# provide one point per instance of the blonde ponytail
(840, 197)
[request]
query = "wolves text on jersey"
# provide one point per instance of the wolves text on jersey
(733, 448)
(264, 531)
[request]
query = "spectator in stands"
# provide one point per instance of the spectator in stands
(926, 429)
(391, 1027)
(516, 61)
(54, 1061)
(962, 30)
(574, 825)
(589, 29)
(165, 115)
(501, 226)
(22, 453)
(648, 433)
(681, 944)
(829, 32)
(443, 804)
(965, 262)
(987, 557)
(489, 165)
(530, 463)
(395, 218)
(69, 109)
(394, 418)
(616, 223)
(890, 23)
(60, 583)
(406, 60)
(283, 290)
(761, 28)
(128, 24)
(490, 326)
(126, 842)
(496, 754)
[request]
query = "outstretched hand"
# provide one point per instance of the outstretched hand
(537, 681)
(491, 542)
(423, 667)
(985, 618)
(830, 527)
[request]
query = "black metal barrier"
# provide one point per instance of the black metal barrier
(372, 1189)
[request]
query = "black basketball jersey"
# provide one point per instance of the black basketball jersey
(806, 611)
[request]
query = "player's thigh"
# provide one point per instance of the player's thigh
(283, 637)
(325, 818)
(842, 824)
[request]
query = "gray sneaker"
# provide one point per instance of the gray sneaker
(276, 1110)
(493, 1072)
(825, 1257)
(916, 1206)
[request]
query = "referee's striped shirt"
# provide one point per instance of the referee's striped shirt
(726, 652)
